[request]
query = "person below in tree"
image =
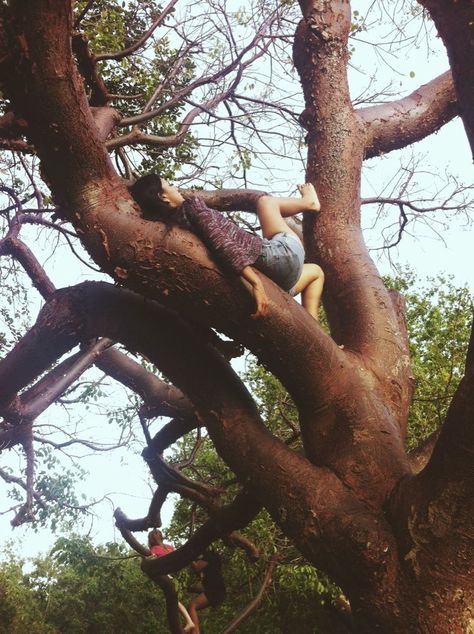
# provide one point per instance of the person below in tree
(156, 544)
(159, 549)
(208, 567)
(279, 254)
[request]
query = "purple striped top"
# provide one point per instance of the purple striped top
(233, 246)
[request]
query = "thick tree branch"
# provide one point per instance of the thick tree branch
(51, 387)
(433, 511)
(11, 245)
(172, 431)
(229, 414)
(395, 125)
(357, 304)
(161, 399)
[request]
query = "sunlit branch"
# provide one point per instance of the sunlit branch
(105, 118)
(399, 123)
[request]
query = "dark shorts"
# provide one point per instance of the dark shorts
(282, 260)
(215, 594)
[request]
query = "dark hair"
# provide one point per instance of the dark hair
(146, 192)
(155, 537)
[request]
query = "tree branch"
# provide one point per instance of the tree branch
(142, 40)
(255, 602)
(161, 399)
(395, 125)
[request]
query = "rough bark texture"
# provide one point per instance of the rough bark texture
(398, 542)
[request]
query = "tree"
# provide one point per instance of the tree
(20, 609)
(392, 532)
(79, 588)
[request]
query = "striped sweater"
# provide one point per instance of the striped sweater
(234, 247)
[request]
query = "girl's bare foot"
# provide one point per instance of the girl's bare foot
(309, 195)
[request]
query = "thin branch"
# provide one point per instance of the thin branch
(142, 40)
(207, 80)
(255, 602)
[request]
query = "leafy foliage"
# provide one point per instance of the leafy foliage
(439, 317)
(113, 26)
(86, 589)
(20, 607)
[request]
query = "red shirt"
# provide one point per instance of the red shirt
(160, 551)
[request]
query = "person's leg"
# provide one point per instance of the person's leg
(189, 626)
(198, 603)
(310, 285)
(272, 210)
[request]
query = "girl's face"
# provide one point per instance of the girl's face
(171, 195)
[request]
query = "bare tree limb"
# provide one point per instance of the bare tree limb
(395, 125)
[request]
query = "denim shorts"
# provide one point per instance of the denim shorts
(282, 260)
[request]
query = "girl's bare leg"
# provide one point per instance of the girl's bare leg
(189, 627)
(198, 603)
(310, 285)
(271, 210)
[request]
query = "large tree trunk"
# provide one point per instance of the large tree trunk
(399, 544)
